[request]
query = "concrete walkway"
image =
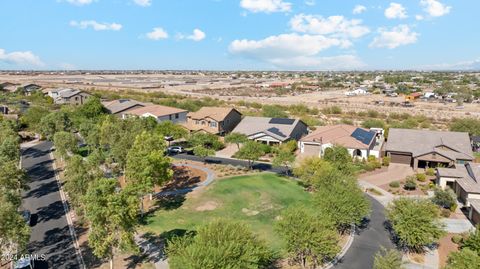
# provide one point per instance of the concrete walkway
(458, 225)
(395, 172)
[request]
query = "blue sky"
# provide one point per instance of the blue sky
(239, 34)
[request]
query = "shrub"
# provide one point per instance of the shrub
(394, 184)
(421, 177)
(457, 239)
(386, 161)
(444, 198)
(445, 213)
(410, 184)
(430, 172)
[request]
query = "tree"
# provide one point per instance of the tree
(416, 222)
(284, 158)
(388, 259)
(54, 122)
(206, 140)
(250, 151)
(112, 216)
(339, 157)
(444, 198)
(373, 123)
(473, 241)
(147, 164)
(65, 143)
(274, 111)
(203, 152)
(168, 128)
(14, 231)
(77, 178)
(93, 108)
(13, 181)
(236, 138)
(468, 125)
(33, 117)
(341, 199)
(219, 244)
(463, 259)
(311, 170)
(9, 149)
(310, 240)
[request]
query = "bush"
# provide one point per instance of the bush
(394, 184)
(421, 177)
(410, 184)
(457, 239)
(386, 161)
(430, 172)
(445, 198)
(445, 213)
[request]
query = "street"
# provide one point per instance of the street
(50, 231)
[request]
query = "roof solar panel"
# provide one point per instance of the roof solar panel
(363, 136)
(282, 121)
(276, 131)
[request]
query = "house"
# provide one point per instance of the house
(271, 130)
(425, 148)
(29, 88)
(359, 142)
(214, 120)
(413, 96)
(122, 106)
(359, 91)
(9, 86)
(160, 113)
(68, 96)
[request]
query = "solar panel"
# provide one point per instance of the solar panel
(282, 121)
(363, 136)
(276, 131)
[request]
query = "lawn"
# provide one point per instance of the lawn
(254, 199)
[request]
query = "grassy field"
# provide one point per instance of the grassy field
(254, 199)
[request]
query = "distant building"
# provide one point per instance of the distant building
(271, 130)
(68, 96)
(9, 86)
(29, 88)
(214, 120)
(160, 113)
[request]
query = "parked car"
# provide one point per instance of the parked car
(175, 149)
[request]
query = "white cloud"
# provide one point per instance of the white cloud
(397, 36)
(96, 25)
(419, 17)
(435, 8)
(359, 9)
(333, 25)
(396, 11)
(143, 3)
(67, 66)
(80, 2)
(310, 2)
(267, 6)
(197, 35)
(24, 58)
(157, 34)
(295, 51)
(463, 65)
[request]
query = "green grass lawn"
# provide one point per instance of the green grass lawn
(254, 199)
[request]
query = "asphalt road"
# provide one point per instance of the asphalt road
(367, 241)
(50, 232)
(234, 162)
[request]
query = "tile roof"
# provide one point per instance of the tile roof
(341, 135)
(216, 113)
(276, 128)
(156, 110)
(421, 142)
(120, 105)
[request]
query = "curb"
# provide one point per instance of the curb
(344, 250)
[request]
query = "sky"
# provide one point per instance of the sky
(239, 34)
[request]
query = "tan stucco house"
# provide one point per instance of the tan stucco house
(214, 120)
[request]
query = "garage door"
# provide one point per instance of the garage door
(401, 158)
(311, 150)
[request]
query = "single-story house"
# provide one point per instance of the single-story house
(122, 106)
(360, 142)
(425, 148)
(160, 113)
(29, 88)
(214, 120)
(271, 130)
(68, 96)
(9, 86)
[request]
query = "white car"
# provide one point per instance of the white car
(175, 149)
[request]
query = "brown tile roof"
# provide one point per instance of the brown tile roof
(421, 142)
(216, 113)
(336, 134)
(156, 110)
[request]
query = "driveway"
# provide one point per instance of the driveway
(395, 172)
(368, 241)
(50, 232)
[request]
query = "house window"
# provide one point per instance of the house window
(203, 122)
(197, 122)
(76, 98)
(213, 124)
(176, 116)
(170, 117)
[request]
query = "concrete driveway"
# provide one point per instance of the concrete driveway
(394, 172)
